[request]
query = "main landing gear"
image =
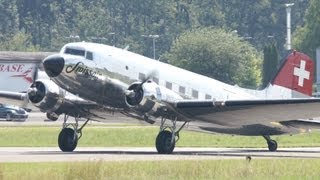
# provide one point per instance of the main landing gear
(167, 137)
(70, 134)
(272, 144)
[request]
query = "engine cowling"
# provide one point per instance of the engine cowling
(46, 95)
(148, 97)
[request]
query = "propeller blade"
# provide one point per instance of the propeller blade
(35, 74)
(25, 101)
(149, 76)
(136, 91)
(32, 90)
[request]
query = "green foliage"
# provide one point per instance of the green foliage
(122, 22)
(47, 25)
(9, 19)
(258, 168)
(270, 63)
(19, 42)
(257, 20)
(218, 54)
(307, 37)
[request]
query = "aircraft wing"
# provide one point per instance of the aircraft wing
(247, 112)
(70, 104)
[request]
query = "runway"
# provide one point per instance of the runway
(53, 154)
(49, 154)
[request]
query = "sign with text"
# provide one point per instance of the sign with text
(16, 77)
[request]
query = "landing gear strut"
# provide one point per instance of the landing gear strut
(272, 144)
(167, 137)
(70, 134)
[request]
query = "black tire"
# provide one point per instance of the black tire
(272, 145)
(164, 142)
(67, 140)
(50, 117)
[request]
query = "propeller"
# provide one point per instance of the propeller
(35, 74)
(149, 76)
(135, 92)
(32, 90)
(132, 92)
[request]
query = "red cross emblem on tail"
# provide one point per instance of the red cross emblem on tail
(301, 73)
(296, 73)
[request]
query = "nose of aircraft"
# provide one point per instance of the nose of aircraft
(53, 65)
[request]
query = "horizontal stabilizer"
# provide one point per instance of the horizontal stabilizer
(302, 123)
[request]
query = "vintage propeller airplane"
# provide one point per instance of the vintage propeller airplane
(89, 80)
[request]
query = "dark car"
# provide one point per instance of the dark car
(9, 113)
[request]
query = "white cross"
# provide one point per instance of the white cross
(301, 73)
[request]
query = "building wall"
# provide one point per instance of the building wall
(17, 69)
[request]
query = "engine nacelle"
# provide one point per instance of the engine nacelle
(46, 95)
(149, 97)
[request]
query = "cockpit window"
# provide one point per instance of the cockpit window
(73, 51)
(89, 55)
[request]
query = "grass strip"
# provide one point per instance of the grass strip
(142, 137)
(183, 169)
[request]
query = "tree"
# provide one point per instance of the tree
(123, 22)
(19, 42)
(35, 18)
(218, 54)
(306, 38)
(9, 19)
(270, 63)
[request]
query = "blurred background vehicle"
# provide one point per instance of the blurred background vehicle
(12, 113)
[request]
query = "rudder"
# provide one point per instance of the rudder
(296, 73)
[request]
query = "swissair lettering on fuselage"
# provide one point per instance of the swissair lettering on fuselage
(81, 68)
(11, 67)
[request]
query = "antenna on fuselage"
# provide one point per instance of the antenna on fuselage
(126, 48)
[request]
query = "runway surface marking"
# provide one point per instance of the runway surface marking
(49, 154)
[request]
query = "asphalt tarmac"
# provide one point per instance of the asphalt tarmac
(53, 154)
(46, 154)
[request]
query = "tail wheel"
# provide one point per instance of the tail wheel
(164, 142)
(67, 140)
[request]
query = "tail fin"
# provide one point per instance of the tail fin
(296, 74)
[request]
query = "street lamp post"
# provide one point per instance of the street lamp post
(113, 34)
(288, 9)
(153, 36)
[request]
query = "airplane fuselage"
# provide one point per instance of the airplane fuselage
(89, 80)
(104, 76)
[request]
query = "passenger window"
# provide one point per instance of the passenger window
(156, 80)
(89, 55)
(208, 96)
(142, 76)
(168, 85)
(195, 94)
(182, 89)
